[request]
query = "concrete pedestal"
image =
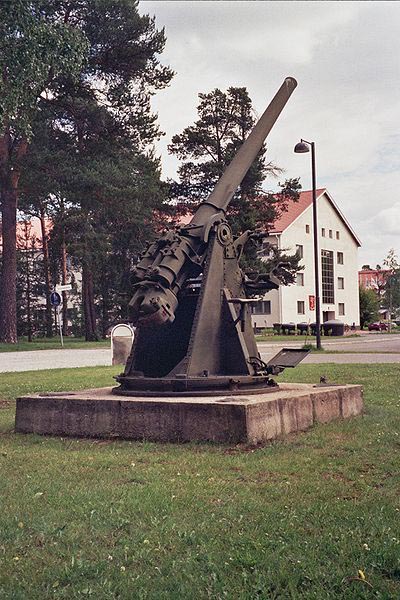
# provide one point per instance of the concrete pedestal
(99, 413)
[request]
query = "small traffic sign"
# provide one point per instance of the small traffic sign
(64, 288)
(55, 299)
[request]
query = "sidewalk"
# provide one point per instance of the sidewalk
(57, 359)
(36, 360)
(341, 359)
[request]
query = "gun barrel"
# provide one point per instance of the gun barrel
(233, 176)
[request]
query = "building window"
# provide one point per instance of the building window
(300, 307)
(300, 279)
(340, 260)
(307, 229)
(340, 283)
(341, 309)
(328, 294)
(263, 307)
(337, 235)
(331, 233)
(323, 232)
(299, 250)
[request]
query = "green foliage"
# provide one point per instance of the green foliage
(369, 306)
(206, 148)
(297, 518)
(91, 163)
(392, 285)
(36, 49)
(30, 287)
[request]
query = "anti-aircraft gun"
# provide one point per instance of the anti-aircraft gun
(191, 300)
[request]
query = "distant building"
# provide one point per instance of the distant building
(376, 279)
(338, 266)
(29, 234)
(373, 279)
(30, 239)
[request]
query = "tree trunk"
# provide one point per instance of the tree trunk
(8, 288)
(47, 276)
(64, 275)
(28, 295)
(9, 178)
(88, 304)
(104, 313)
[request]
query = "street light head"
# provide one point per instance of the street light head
(301, 147)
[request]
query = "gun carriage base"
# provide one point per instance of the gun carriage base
(209, 348)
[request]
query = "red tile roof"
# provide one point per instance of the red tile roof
(294, 210)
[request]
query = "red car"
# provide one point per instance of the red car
(377, 327)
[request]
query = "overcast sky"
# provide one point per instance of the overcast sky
(346, 59)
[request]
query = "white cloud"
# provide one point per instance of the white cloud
(345, 56)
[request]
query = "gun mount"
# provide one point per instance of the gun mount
(191, 299)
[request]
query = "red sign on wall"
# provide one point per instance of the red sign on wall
(311, 302)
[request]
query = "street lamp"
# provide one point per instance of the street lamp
(300, 148)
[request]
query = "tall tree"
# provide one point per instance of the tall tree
(36, 49)
(369, 306)
(30, 286)
(208, 146)
(392, 286)
(110, 101)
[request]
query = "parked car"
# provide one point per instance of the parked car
(377, 326)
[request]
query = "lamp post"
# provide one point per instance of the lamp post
(302, 147)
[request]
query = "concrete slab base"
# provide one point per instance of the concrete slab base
(254, 419)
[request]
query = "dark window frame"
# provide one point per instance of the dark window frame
(263, 307)
(301, 307)
(328, 277)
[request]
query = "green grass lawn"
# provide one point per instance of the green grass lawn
(51, 344)
(297, 518)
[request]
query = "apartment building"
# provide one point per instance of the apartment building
(338, 265)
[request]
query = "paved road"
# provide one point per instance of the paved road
(342, 358)
(375, 342)
(366, 349)
(55, 359)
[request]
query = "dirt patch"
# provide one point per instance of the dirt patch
(337, 477)
(5, 404)
(340, 437)
(243, 448)
(265, 476)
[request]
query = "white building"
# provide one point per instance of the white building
(338, 266)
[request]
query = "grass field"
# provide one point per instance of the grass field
(52, 343)
(308, 516)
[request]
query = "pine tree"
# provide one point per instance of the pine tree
(207, 147)
(369, 306)
(104, 85)
(392, 286)
(93, 143)
(37, 49)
